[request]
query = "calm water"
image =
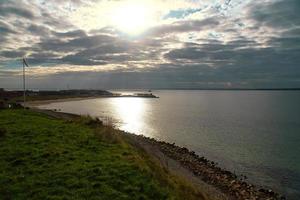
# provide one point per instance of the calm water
(256, 133)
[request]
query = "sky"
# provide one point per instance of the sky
(122, 44)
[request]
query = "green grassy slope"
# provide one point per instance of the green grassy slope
(45, 158)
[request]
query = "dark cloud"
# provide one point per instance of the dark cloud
(39, 30)
(212, 52)
(58, 44)
(286, 42)
(235, 54)
(56, 22)
(91, 41)
(280, 14)
(184, 26)
(76, 60)
(14, 9)
(45, 32)
(71, 34)
(99, 49)
(12, 54)
(115, 51)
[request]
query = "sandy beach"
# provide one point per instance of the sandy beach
(44, 102)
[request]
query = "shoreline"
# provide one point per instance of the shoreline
(35, 103)
(232, 185)
(218, 183)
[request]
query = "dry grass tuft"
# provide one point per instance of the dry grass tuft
(89, 121)
(109, 134)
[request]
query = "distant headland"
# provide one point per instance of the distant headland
(33, 95)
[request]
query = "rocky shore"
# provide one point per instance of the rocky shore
(235, 187)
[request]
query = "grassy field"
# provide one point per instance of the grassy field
(45, 158)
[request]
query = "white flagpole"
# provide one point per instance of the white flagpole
(24, 88)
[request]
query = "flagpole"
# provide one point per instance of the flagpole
(24, 88)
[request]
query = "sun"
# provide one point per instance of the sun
(132, 17)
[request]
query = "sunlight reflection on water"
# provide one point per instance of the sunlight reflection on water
(131, 112)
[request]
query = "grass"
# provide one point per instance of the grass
(45, 158)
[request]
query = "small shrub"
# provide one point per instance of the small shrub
(109, 134)
(109, 121)
(90, 121)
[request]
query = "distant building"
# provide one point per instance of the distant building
(6, 95)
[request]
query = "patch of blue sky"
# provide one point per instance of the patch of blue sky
(214, 35)
(181, 13)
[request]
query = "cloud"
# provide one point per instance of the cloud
(38, 30)
(15, 9)
(5, 28)
(189, 44)
(71, 34)
(278, 14)
(12, 54)
(184, 26)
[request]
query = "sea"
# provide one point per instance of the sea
(254, 133)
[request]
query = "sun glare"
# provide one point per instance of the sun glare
(131, 112)
(132, 17)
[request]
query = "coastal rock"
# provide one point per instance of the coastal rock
(209, 172)
(236, 187)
